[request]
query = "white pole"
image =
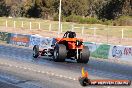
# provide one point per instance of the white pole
(6, 23)
(50, 27)
(61, 28)
(39, 25)
(77, 51)
(59, 18)
(82, 30)
(14, 24)
(122, 33)
(22, 24)
(30, 25)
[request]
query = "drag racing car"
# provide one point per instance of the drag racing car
(68, 47)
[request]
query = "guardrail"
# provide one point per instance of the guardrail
(98, 50)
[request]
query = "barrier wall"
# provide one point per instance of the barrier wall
(30, 40)
(20, 39)
(4, 36)
(103, 51)
(121, 52)
(98, 50)
(41, 41)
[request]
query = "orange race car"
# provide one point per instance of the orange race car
(67, 47)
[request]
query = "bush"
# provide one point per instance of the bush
(124, 21)
(73, 18)
(81, 19)
(55, 17)
(90, 20)
(107, 22)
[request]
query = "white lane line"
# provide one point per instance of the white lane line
(52, 74)
(43, 72)
(38, 71)
(69, 78)
(16, 66)
(5, 63)
(29, 69)
(48, 73)
(10, 65)
(56, 75)
(20, 67)
(25, 68)
(34, 70)
(60, 76)
(65, 77)
(75, 79)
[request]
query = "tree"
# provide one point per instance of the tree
(48, 8)
(127, 7)
(32, 8)
(114, 9)
(4, 10)
(77, 7)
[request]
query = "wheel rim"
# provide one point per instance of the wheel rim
(34, 52)
(56, 54)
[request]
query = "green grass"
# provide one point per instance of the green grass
(112, 31)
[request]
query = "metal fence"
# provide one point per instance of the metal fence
(121, 35)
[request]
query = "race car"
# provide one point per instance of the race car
(68, 47)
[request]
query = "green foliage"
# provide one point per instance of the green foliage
(33, 8)
(112, 9)
(123, 21)
(81, 11)
(108, 22)
(90, 20)
(4, 10)
(77, 7)
(73, 18)
(55, 17)
(83, 20)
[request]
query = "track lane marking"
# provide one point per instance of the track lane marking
(42, 72)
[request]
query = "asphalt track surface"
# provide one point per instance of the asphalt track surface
(19, 70)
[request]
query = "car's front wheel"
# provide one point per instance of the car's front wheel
(35, 51)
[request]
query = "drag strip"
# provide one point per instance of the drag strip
(21, 58)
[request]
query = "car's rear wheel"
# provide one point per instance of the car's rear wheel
(60, 53)
(84, 55)
(35, 51)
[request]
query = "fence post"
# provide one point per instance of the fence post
(107, 34)
(30, 25)
(82, 30)
(6, 23)
(39, 25)
(50, 27)
(14, 24)
(122, 33)
(94, 31)
(22, 24)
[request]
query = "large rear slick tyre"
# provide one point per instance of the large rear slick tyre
(84, 55)
(60, 53)
(35, 51)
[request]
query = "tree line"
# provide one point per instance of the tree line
(49, 9)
